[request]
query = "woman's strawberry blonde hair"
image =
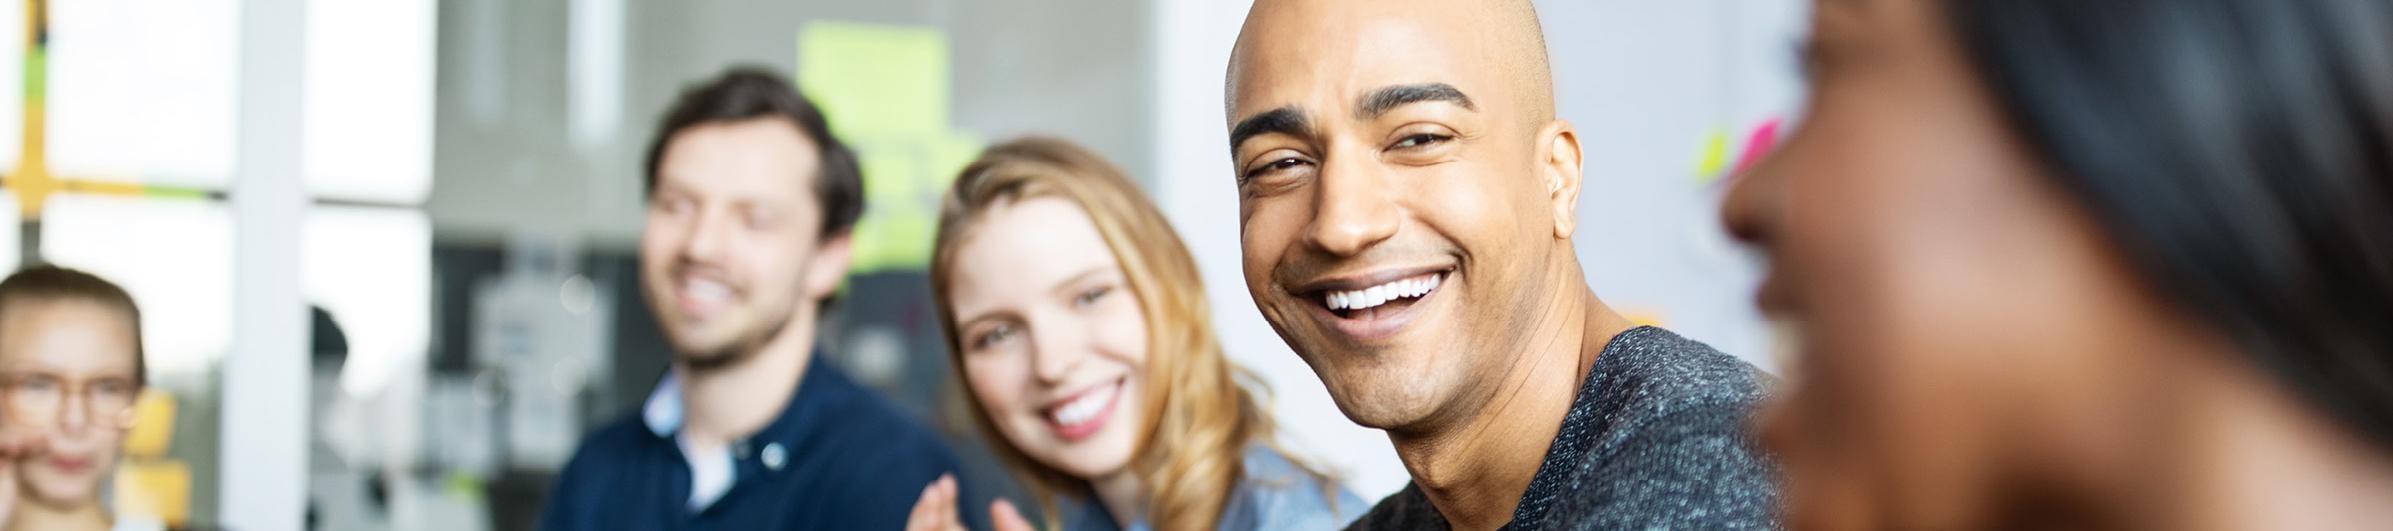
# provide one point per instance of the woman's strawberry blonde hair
(1199, 420)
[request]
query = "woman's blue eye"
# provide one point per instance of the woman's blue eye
(1091, 296)
(992, 337)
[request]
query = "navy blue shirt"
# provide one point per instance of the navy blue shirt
(837, 457)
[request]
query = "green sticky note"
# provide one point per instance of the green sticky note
(905, 178)
(950, 153)
(463, 486)
(892, 202)
(874, 79)
(1714, 159)
(885, 90)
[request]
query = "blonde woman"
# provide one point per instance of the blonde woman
(1080, 327)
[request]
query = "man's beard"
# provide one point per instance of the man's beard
(734, 352)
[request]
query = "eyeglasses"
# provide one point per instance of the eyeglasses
(43, 398)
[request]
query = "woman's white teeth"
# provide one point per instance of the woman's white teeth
(1372, 297)
(1086, 407)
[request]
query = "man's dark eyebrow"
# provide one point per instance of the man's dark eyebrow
(1388, 98)
(1284, 120)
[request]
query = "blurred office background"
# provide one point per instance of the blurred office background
(385, 248)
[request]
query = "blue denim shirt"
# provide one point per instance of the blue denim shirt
(1274, 495)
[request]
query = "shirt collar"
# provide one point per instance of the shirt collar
(821, 392)
(663, 411)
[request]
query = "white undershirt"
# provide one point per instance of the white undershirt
(710, 475)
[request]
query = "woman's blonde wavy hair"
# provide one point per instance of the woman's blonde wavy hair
(1199, 420)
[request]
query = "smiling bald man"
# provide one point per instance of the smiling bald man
(1407, 199)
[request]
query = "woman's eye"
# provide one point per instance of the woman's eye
(1420, 140)
(1093, 295)
(991, 337)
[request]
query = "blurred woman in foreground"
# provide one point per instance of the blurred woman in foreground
(1080, 326)
(2067, 264)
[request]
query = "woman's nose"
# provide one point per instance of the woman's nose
(1055, 349)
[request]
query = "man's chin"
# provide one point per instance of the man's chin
(1383, 401)
(714, 358)
(1384, 416)
(701, 353)
(703, 346)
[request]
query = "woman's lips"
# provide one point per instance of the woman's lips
(69, 464)
(1086, 413)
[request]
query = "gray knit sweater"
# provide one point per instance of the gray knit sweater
(1656, 439)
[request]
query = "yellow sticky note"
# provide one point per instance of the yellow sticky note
(875, 79)
(153, 425)
(1714, 160)
(158, 489)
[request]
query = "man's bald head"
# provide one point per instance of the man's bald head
(1402, 143)
(1504, 34)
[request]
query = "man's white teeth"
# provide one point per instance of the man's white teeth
(705, 290)
(1372, 297)
(1086, 407)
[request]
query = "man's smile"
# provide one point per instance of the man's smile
(1373, 306)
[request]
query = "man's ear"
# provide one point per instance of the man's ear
(829, 265)
(1563, 169)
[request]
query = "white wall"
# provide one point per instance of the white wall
(1646, 82)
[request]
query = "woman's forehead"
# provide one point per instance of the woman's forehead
(1028, 246)
(66, 334)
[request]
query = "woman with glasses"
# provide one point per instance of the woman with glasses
(70, 368)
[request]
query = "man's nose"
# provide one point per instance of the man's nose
(705, 238)
(1354, 209)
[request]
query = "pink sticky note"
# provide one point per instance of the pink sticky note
(1759, 144)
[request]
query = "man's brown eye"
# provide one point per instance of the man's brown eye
(1274, 166)
(1422, 139)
